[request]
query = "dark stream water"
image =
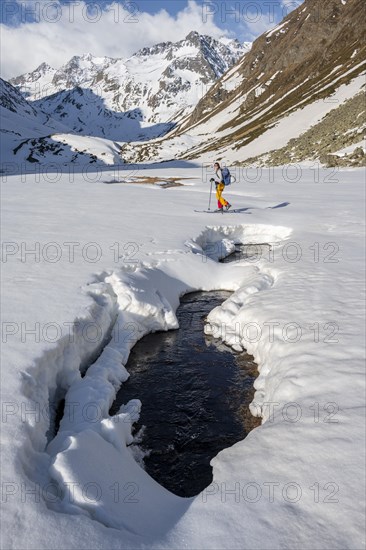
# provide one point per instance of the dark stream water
(195, 393)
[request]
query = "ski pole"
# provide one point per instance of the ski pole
(209, 204)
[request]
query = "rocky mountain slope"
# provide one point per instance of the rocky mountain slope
(29, 136)
(20, 119)
(293, 76)
(338, 140)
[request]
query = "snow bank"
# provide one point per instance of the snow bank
(147, 299)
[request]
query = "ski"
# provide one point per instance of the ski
(231, 211)
(210, 211)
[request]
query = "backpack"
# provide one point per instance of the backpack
(226, 176)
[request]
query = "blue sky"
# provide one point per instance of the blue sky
(55, 30)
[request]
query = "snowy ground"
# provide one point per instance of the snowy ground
(90, 267)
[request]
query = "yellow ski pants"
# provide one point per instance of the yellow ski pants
(220, 199)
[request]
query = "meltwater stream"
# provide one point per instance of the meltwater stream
(195, 393)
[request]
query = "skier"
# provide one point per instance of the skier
(220, 186)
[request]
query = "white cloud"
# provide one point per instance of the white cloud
(290, 5)
(66, 30)
(254, 28)
(256, 25)
(252, 19)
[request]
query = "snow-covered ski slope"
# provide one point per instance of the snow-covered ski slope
(88, 268)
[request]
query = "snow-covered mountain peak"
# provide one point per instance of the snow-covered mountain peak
(198, 39)
(163, 82)
(79, 71)
(44, 67)
(86, 60)
(34, 84)
(40, 71)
